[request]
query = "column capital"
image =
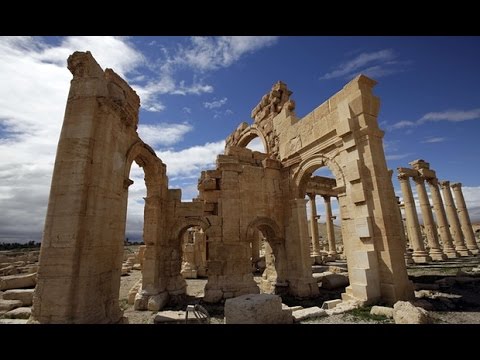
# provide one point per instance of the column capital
(456, 185)
(444, 183)
(418, 179)
(433, 181)
(326, 198)
(403, 176)
(311, 195)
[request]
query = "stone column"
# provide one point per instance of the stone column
(443, 229)
(452, 217)
(332, 250)
(464, 218)
(413, 228)
(314, 225)
(403, 237)
(436, 252)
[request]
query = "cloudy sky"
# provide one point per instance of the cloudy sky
(196, 90)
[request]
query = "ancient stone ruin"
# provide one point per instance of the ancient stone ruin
(248, 196)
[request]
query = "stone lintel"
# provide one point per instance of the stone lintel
(419, 164)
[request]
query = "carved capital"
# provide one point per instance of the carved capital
(456, 185)
(433, 181)
(444, 183)
(418, 180)
(403, 177)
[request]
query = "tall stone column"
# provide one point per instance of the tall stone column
(314, 225)
(332, 250)
(443, 229)
(453, 220)
(436, 252)
(464, 218)
(413, 227)
(403, 237)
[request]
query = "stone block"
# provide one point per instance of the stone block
(7, 305)
(406, 313)
(18, 281)
(170, 317)
(19, 313)
(382, 310)
(157, 302)
(24, 295)
(330, 304)
(256, 309)
(308, 313)
(334, 281)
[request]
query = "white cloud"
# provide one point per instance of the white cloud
(191, 161)
(449, 115)
(375, 64)
(187, 110)
(397, 156)
(434, 140)
(210, 53)
(163, 133)
(215, 104)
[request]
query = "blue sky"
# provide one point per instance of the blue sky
(196, 90)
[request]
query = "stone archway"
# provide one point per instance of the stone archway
(250, 133)
(275, 276)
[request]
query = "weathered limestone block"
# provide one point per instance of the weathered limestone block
(18, 281)
(406, 313)
(334, 281)
(382, 310)
(13, 321)
(7, 305)
(19, 313)
(133, 292)
(24, 295)
(170, 317)
(330, 304)
(343, 307)
(308, 313)
(157, 302)
(141, 302)
(256, 309)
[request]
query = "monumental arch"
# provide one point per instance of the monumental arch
(247, 193)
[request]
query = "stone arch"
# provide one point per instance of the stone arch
(274, 278)
(176, 284)
(309, 165)
(250, 133)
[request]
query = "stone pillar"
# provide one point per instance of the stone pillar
(256, 246)
(413, 227)
(408, 256)
(332, 250)
(452, 217)
(443, 229)
(436, 252)
(314, 225)
(464, 218)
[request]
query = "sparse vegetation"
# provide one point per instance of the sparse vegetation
(363, 313)
(14, 246)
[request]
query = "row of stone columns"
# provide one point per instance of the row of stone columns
(453, 222)
(332, 250)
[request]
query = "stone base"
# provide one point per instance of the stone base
(464, 253)
(437, 256)
(421, 259)
(451, 254)
(474, 251)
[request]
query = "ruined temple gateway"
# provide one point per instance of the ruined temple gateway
(82, 247)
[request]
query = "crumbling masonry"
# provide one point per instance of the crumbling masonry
(248, 192)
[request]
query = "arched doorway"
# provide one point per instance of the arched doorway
(273, 280)
(188, 255)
